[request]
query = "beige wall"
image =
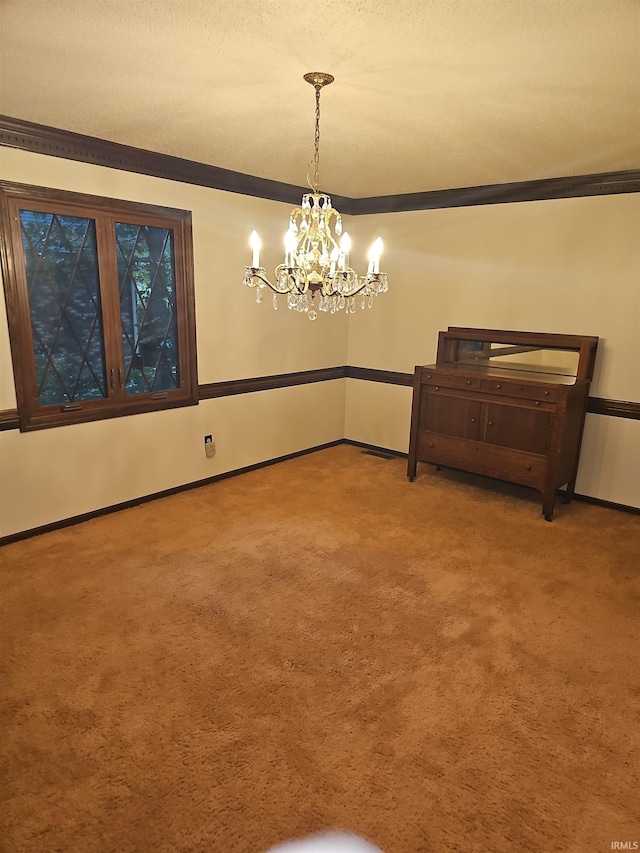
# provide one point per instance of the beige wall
(570, 266)
(53, 474)
(567, 266)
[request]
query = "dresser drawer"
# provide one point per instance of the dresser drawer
(527, 469)
(509, 388)
(449, 380)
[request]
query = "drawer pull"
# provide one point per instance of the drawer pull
(430, 444)
(537, 402)
(546, 393)
(498, 387)
(437, 387)
(528, 467)
(473, 420)
(468, 382)
(428, 376)
(490, 423)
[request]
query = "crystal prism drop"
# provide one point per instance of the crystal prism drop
(275, 302)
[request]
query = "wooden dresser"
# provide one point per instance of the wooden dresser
(509, 405)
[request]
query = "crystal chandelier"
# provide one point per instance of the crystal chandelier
(316, 275)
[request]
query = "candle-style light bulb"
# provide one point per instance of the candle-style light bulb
(335, 254)
(289, 248)
(374, 256)
(372, 259)
(256, 245)
(345, 248)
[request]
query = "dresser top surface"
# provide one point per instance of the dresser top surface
(531, 374)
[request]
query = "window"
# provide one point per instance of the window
(100, 302)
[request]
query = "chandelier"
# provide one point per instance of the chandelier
(316, 274)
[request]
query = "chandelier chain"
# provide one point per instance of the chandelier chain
(316, 157)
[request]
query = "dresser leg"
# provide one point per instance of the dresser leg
(569, 493)
(548, 504)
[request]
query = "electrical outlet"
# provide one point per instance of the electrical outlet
(209, 446)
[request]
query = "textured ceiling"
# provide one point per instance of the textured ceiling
(429, 94)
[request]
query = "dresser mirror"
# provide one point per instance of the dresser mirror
(509, 357)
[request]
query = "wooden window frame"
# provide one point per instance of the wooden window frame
(104, 211)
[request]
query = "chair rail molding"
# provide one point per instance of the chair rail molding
(596, 405)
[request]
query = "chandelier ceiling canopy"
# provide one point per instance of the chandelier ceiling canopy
(316, 274)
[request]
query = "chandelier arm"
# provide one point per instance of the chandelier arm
(349, 293)
(371, 281)
(255, 278)
(293, 283)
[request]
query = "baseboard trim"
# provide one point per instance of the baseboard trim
(374, 448)
(165, 493)
(577, 496)
(587, 499)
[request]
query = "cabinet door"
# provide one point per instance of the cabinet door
(457, 416)
(518, 427)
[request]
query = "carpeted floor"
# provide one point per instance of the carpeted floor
(320, 644)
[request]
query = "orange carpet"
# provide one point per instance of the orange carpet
(320, 644)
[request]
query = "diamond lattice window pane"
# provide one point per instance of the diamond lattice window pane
(64, 301)
(147, 307)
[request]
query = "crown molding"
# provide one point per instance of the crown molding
(606, 183)
(39, 138)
